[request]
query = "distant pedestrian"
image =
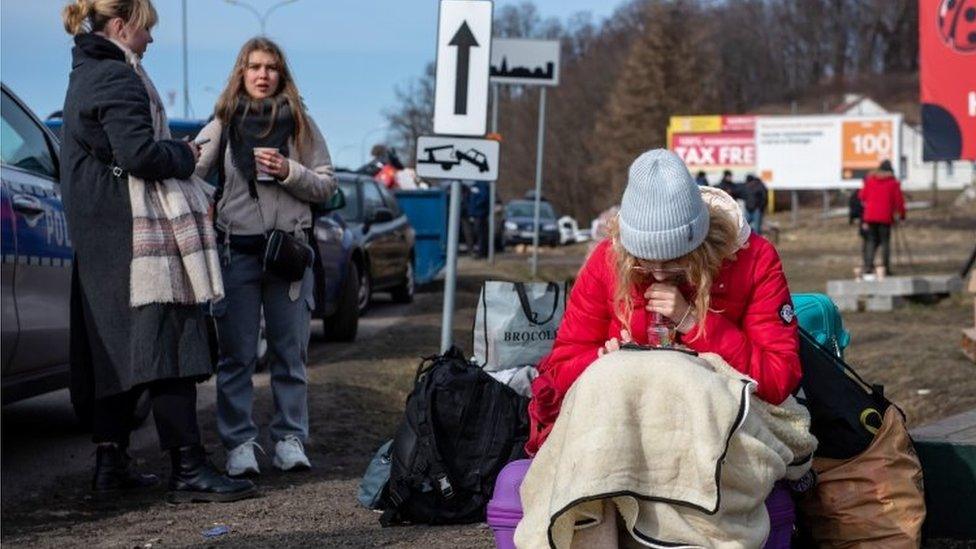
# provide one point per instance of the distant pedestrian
(756, 197)
(883, 202)
(478, 208)
(145, 254)
(701, 179)
(272, 165)
(727, 185)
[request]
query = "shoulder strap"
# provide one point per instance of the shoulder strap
(427, 461)
(531, 315)
(427, 440)
(221, 169)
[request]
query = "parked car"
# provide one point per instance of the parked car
(35, 280)
(36, 273)
(384, 239)
(520, 223)
(568, 230)
(179, 128)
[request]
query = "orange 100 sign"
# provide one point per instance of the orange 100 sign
(865, 145)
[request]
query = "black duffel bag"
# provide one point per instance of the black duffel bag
(460, 428)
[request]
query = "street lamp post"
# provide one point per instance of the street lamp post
(262, 18)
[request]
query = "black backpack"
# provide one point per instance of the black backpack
(460, 428)
(845, 411)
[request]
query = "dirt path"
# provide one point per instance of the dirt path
(357, 393)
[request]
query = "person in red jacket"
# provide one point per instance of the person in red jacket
(882, 200)
(671, 254)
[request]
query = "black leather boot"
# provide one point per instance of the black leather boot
(194, 479)
(112, 471)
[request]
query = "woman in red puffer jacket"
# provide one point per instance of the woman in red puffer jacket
(882, 199)
(669, 253)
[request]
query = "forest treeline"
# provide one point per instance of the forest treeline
(622, 77)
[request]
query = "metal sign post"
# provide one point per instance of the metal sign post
(460, 108)
(491, 186)
(540, 143)
(450, 277)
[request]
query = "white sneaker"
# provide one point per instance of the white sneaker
(241, 461)
(290, 455)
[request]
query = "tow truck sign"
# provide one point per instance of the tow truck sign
(457, 158)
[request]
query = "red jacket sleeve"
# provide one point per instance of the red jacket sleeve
(585, 324)
(765, 346)
(581, 334)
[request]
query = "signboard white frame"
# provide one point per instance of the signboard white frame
(463, 61)
(806, 152)
(525, 62)
(445, 157)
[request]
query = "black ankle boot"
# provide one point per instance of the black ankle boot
(194, 478)
(112, 471)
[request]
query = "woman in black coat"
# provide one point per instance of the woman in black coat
(135, 334)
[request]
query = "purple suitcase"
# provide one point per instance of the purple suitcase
(782, 515)
(505, 509)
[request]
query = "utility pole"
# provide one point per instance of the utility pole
(186, 70)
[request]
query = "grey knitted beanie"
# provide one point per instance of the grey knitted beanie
(662, 214)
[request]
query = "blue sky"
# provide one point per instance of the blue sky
(347, 55)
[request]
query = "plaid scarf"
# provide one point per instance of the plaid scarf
(174, 248)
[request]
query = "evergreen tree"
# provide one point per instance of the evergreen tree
(666, 73)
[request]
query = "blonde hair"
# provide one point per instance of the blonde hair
(227, 102)
(701, 265)
(83, 16)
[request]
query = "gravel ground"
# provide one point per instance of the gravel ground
(357, 393)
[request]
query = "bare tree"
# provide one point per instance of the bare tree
(414, 114)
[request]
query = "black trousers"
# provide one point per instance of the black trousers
(480, 227)
(174, 403)
(878, 235)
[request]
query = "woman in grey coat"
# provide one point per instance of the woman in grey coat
(144, 253)
(272, 165)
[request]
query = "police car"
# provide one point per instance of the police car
(36, 270)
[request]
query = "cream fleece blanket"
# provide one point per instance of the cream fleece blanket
(676, 441)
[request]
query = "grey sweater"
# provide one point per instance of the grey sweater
(284, 205)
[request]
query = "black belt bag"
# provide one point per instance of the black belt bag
(286, 256)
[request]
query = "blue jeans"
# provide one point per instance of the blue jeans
(248, 288)
(755, 218)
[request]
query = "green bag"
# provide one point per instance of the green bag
(818, 315)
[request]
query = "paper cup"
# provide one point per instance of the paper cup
(262, 175)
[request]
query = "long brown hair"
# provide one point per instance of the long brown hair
(83, 16)
(701, 265)
(228, 100)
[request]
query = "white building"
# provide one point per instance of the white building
(915, 174)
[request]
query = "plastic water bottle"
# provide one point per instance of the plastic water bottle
(659, 332)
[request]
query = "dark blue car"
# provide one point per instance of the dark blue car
(381, 237)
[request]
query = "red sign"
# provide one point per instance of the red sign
(710, 151)
(738, 123)
(947, 44)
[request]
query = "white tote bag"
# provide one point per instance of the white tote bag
(516, 323)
